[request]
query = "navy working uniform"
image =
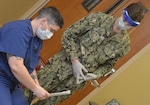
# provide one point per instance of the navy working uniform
(16, 38)
(93, 42)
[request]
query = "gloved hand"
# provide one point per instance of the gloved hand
(88, 76)
(79, 70)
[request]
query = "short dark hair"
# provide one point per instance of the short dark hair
(52, 14)
(136, 11)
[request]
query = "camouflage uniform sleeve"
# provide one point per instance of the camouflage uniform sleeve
(114, 52)
(71, 35)
(105, 67)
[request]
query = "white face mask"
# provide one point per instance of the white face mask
(44, 34)
(121, 24)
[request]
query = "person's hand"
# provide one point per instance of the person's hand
(41, 93)
(78, 70)
(88, 76)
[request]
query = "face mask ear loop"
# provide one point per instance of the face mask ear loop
(46, 23)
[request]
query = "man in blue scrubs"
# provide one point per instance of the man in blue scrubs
(20, 44)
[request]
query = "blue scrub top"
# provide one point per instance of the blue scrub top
(16, 38)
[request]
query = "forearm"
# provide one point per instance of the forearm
(102, 70)
(20, 72)
(34, 77)
(68, 42)
(105, 68)
(70, 38)
(23, 77)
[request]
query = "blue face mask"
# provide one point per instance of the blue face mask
(121, 24)
(44, 34)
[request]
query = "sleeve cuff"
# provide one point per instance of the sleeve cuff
(73, 56)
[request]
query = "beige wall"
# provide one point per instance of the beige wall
(130, 85)
(19, 9)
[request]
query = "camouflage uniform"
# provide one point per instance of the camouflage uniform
(91, 40)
